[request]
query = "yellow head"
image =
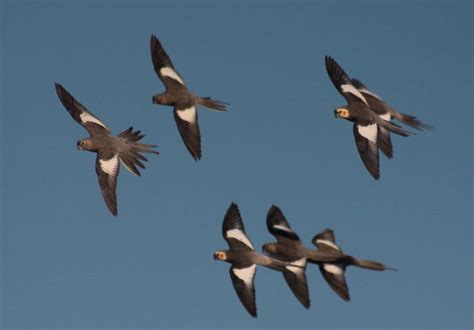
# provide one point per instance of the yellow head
(220, 255)
(342, 113)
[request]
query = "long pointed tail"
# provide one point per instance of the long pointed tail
(131, 155)
(410, 120)
(212, 104)
(369, 264)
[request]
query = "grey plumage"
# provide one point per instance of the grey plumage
(178, 96)
(110, 149)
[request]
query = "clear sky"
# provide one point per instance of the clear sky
(66, 262)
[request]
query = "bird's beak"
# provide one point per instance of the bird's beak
(215, 256)
(336, 114)
(155, 100)
(78, 145)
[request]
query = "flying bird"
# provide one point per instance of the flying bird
(334, 272)
(109, 149)
(367, 123)
(290, 249)
(386, 112)
(178, 96)
(244, 259)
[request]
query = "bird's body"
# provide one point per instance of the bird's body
(334, 272)
(180, 98)
(244, 259)
(371, 129)
(110, 149)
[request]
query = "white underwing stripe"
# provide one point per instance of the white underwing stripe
(188, 114)
(284, 228)
(298, 266)
(169, 72)
(240, 236)
(346, 88)
(369, 132)
(88, 118)
(333, 269)
(328, 243)
(245, 274)
(386, 116)
(366, 91)
(109, 166)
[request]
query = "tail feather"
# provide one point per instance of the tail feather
(212, 104)
(130, 154)
(394, 128)
(411, 121)
(369, 264)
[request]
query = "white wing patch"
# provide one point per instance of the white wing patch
(245, 274)
(346, 88)
(369, 132)
(328, 243)
(240, 236)
(88, 118)
(298, 266)
(188, 114)
(366, 91)
(284, 228)
(169, 72)
(386, 116)
(110, 166)
(333, 269)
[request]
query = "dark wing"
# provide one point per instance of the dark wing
(233, 229)
(334, 276)
(326, 241)
(366, 142)
(107, 169)
(365, 90)
(384, 142)
(279, 227)
(79, 113)
(242, 279)
(342, 82)
(163, 66)
(187, 122)
(295, 277)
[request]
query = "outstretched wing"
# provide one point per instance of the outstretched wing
(162, 64)
(342, 82)
(295, 277)
(79, 113)
(335, 278)
(187, 122)
(279, 227)
(107, 169)
(242, 280)
(233, 229)
(366, 142)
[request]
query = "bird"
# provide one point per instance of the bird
(110, 149)
(367, 123)
(386, 112)
(334, 272)
(183, 101)
(244, 259)
(289, 248)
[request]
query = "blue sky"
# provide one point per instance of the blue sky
(66, 262)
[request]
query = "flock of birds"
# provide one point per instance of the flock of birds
(372, 125)
(288, 255)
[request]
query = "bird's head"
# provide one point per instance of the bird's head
(85, 144)
(270, 248)
(159, 99)
(342, 113)
(220, 255)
